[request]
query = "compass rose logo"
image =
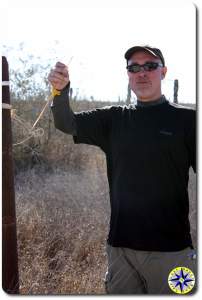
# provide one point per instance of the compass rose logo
(181, 280)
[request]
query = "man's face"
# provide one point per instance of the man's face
(146, 84)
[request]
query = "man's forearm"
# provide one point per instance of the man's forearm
(63, 115)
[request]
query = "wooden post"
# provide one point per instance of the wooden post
(10, 277)
(176, 87)
(128, 100)
(70, 93)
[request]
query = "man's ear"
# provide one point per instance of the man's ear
(163, 72)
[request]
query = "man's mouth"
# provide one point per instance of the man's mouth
(143, 82)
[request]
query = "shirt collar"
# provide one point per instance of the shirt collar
(160, 100)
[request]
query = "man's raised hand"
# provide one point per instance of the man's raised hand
(59, 76)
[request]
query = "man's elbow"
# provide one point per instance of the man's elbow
(64, 121)
(67, 127)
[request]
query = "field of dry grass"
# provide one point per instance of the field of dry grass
(62, 207)
(62, 220)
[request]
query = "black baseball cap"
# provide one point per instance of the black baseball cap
(154, 51)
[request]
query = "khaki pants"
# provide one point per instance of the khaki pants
(143, 272)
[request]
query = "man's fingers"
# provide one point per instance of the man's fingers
(60, 65)
(57, 83)
(54, 79)
(61, 70)
(55, 75)
(59, 75)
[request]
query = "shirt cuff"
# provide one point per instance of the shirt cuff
(63, 97)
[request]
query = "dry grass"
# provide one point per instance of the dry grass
(62, 206)
(62, 221)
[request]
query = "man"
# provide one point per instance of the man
(149, 149)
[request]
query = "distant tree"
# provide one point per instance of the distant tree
(28, 75)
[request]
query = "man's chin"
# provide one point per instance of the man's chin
(143, 96)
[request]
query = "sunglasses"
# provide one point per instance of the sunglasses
(148, 66)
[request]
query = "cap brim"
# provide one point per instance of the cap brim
(132, 50)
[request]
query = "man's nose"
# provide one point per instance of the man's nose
(142, 72)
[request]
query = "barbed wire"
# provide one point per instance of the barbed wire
(29, 130)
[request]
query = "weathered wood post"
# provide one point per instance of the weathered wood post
(70, 93)
(10, 277)
(128, 100)
(176, 87)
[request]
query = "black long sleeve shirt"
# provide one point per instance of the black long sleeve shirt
(149, 150)
(63, 115)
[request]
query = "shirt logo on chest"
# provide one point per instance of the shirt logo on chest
(165, 132)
